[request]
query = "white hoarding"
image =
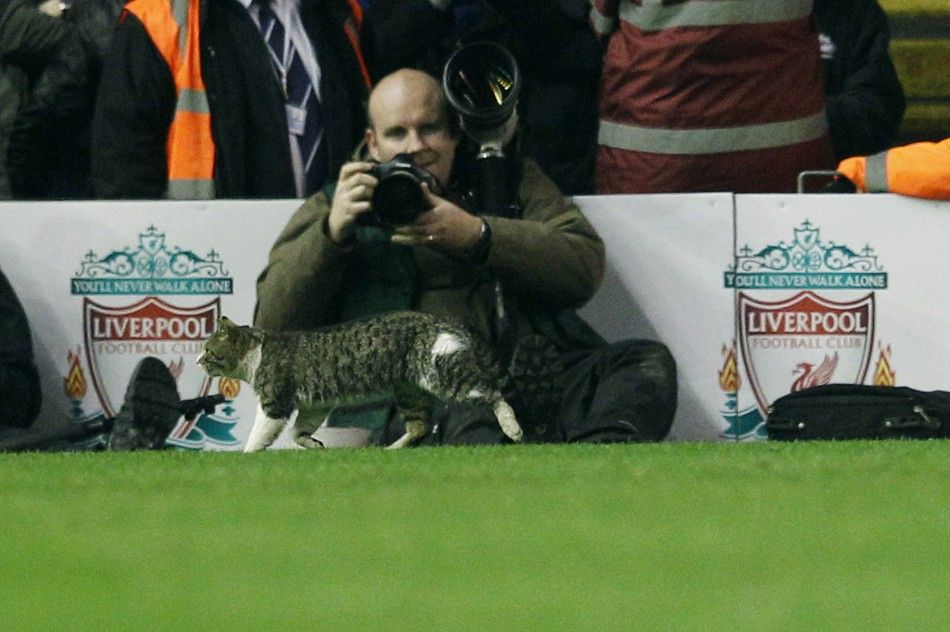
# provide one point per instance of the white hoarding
(756, 296)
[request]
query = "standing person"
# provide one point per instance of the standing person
(30, 34)
(48, 157)
(865, 97)
(567, 383)
(702, 95)
(560, 59)
(228, 98)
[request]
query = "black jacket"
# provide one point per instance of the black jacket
(559, 57)
(48, 157)
(28, 39)
(248, 122)
(19, 380)
(865, 98)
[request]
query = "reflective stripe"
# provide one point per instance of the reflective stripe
(190, 190)
(714, 140)
(875, 173)
(180, 13)
(655, 16)
(192, 101)
(601, 23)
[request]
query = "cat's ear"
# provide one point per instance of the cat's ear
(225, 323)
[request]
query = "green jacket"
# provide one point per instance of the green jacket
(550, 260)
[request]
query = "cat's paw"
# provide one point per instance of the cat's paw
(514, 433)
(263, 432)
(307, 441)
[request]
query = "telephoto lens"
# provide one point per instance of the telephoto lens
(482, 82)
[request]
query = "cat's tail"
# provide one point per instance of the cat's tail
(506, 419)
(264, 432)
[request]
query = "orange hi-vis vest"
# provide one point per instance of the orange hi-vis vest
(919, 170)
(173, 27)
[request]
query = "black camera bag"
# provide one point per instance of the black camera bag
(854, 411)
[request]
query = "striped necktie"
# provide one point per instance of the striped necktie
(304, 113)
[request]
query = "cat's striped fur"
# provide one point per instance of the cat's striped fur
(412, 354)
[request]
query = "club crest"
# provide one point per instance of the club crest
(816, 340)
(805, 316)
(150, 300)
(117, 338)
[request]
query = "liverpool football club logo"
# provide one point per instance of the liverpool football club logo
(804, 317)
(817, 341)
(152, 300)
(117, 338)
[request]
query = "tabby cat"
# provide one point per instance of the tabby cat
(412, 354)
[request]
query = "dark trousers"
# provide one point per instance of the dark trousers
(622, 392)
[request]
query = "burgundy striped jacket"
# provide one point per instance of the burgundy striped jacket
(709, 95)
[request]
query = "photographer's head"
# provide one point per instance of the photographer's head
(408, 114)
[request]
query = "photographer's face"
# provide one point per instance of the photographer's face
(406, 117)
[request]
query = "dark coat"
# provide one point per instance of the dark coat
(19, 381)
(551, 259)
(865, 98)
(248, 121)
(28, 39)
(48, 156)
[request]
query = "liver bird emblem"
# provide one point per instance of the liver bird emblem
(809, 375)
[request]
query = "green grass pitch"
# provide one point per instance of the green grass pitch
(809, 536)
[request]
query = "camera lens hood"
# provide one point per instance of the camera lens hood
(482, 83)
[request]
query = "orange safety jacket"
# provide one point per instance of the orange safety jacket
(174, 28)
(919, 170)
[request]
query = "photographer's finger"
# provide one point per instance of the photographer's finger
(411, 240)
(363, 179)
(352, 169)
(358, 193)
(358, 208)
(412, 229)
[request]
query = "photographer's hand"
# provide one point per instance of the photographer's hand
(354, 188)
(445, 226)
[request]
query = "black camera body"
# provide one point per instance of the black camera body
(398, 198)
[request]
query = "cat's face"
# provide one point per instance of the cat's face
(226, 348)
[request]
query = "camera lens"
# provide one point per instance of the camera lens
(399, 199)
(482, 83)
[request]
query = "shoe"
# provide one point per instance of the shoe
(150, 409)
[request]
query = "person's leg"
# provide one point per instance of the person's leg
(461, 424)
(625, 391)
(150, 410)
(148, 414)
(20, 394)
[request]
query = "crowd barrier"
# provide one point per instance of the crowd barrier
(756, 296)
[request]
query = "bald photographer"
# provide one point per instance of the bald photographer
(441, 215)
